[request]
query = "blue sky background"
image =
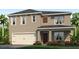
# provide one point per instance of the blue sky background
(8, 11)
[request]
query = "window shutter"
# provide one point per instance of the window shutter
(45, 20)
(21, 19)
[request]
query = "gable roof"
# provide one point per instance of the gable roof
(41, 12)
(26, 11)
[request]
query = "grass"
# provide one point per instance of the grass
(49, 47)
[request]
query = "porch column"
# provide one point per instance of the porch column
(38, 36)
(50, 35)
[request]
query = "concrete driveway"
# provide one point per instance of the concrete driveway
(11, 46)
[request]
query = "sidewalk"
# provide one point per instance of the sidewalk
(11, 46)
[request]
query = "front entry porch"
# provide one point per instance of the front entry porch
(45, 35)
(56, 36)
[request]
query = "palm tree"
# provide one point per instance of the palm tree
(4, 22)
(75, 22)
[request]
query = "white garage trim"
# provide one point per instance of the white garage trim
(23, 32)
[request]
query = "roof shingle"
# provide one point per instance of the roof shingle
(44, 12)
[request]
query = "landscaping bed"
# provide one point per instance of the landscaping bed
(49, 47)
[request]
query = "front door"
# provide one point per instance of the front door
(45, 37)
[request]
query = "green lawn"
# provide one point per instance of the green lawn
(49, 47)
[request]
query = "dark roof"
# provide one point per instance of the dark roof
(26, 11)
(52, 26)
(44, 12)
(50, 12)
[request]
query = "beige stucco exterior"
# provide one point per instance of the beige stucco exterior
(32, 26)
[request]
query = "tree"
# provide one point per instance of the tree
(75, 22)
(4, 21)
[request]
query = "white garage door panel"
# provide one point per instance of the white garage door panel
(28, 39)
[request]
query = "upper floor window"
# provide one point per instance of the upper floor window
(58, 19)
(45, 20)
(34, 18)
(23, 20)
(13, 20)
(52, 17)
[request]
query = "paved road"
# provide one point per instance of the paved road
(10, 46)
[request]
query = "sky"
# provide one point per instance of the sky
(11, 6)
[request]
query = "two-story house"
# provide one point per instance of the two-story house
(28, 26)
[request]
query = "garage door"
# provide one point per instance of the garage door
(27, 39)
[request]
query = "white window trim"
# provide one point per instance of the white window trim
(58, 24)
(58, 32)
(11, 18)
(21, 20)
(32, 18)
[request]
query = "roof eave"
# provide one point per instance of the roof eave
(24, 14)
(59, 14)
(57, 28)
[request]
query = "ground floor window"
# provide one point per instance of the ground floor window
(59, 35)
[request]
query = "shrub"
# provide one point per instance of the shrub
(77, 42)
(55, 43)
(50, 43)
(75, 38)
(37, 43)
(59, 43)
(68, 43)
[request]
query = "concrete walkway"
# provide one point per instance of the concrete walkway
(11, 46)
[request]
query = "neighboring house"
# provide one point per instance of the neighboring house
(29, 26)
